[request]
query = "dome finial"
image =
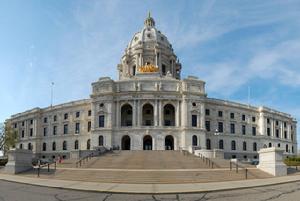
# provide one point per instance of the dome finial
(149, 21)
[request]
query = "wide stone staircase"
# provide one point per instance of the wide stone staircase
(166, 167)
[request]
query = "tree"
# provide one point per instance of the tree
(10, 137)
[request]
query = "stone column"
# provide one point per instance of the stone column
(184, 112)
(177, 114)
(134, 115)
(156, 118)
(117, 114)
(138, 113)
(202, 116)
(160, 117)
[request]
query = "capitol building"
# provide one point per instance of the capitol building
(151, 107)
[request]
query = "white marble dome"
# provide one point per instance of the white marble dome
(149, 34)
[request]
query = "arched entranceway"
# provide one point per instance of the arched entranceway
(148, 115)
(169, 142)
(147, 142)
(169, 115)
(125, 142)
(126, 115)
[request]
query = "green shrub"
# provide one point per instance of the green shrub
(3, 162)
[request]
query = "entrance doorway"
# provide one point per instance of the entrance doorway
(169, 142)
(125, 142)
(147, 142)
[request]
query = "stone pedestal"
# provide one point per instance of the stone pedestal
(215, 153)
(271, 161)
(19, 160)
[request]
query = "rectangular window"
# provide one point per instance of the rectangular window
(66, 129)
(231, 115)
(253, 131)
(77, 114)
(220, 127)
(31, 121)
(244, 129)
(232, 128)
(90, 113)
(243, 117)
(23, 133)
(54, 118)
(77, 128)
(45, 131)
(15, 125)
(31, 132)
(220, 114)
(194, 120)
(66, 116)
(23, 123)
(277, 123)
(285, 135)
(268, 131)
(268, 121)
(101, 121)
(277, 133)
(89, 126)
(148, 122)
(54, 130)
(253, 119)
(207, 125)
(284, 124)
(167, 122)
(207, 112)
(45, 119)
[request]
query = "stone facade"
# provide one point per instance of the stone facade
(151, 108)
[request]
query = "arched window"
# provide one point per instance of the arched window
(169, 115)
(270, 144)
(286, 148)
(254, 146)
(221, 144)
(88, 144)
(148, 115)
(265, 146)
(208, 144)
(29, 146)
(233, 145)
(100, 140)
(195, 140)
(76, 146)
(53, 146)
(21, 146)
(65, 145)
(126, 115)
(44, 146)
(244, 146)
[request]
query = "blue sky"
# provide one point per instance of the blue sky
(232, 45)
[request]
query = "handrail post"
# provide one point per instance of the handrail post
(230, 165)
(212, 165)
(54, 165)
(246, 173)
(48, 167)
(236, 168)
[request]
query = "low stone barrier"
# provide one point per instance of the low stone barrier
(19, 160)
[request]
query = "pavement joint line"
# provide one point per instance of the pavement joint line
(150, 188)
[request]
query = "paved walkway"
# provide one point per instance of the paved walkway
(150, 188)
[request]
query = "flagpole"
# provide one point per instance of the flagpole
(52, 84)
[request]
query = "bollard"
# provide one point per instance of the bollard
(236, 168)
(76, 164)
(39, 170)
(48, 167)
(230, 165)
(212, 165)
(54, 165)
(80, 163)
(246, 172)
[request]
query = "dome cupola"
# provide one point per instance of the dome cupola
(149, 51)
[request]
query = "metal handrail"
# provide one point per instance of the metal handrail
(39, 167)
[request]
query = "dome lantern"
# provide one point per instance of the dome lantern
(149, 21)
